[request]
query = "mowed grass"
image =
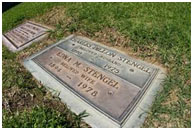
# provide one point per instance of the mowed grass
(156, 32)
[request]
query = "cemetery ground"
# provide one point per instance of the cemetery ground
(158, 33)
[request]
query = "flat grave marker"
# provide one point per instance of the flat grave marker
(23, 35)
(113, 88)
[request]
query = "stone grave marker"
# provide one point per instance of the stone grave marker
(23, 35)
(115, 89)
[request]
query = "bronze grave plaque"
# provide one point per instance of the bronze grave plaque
(23, 35)
(109, 81)
(118, 64)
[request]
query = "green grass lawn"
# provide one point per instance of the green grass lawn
(155, 32)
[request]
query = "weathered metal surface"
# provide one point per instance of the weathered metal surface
(23, 35)
(108, 80)
(130, 69)
(105, 91)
